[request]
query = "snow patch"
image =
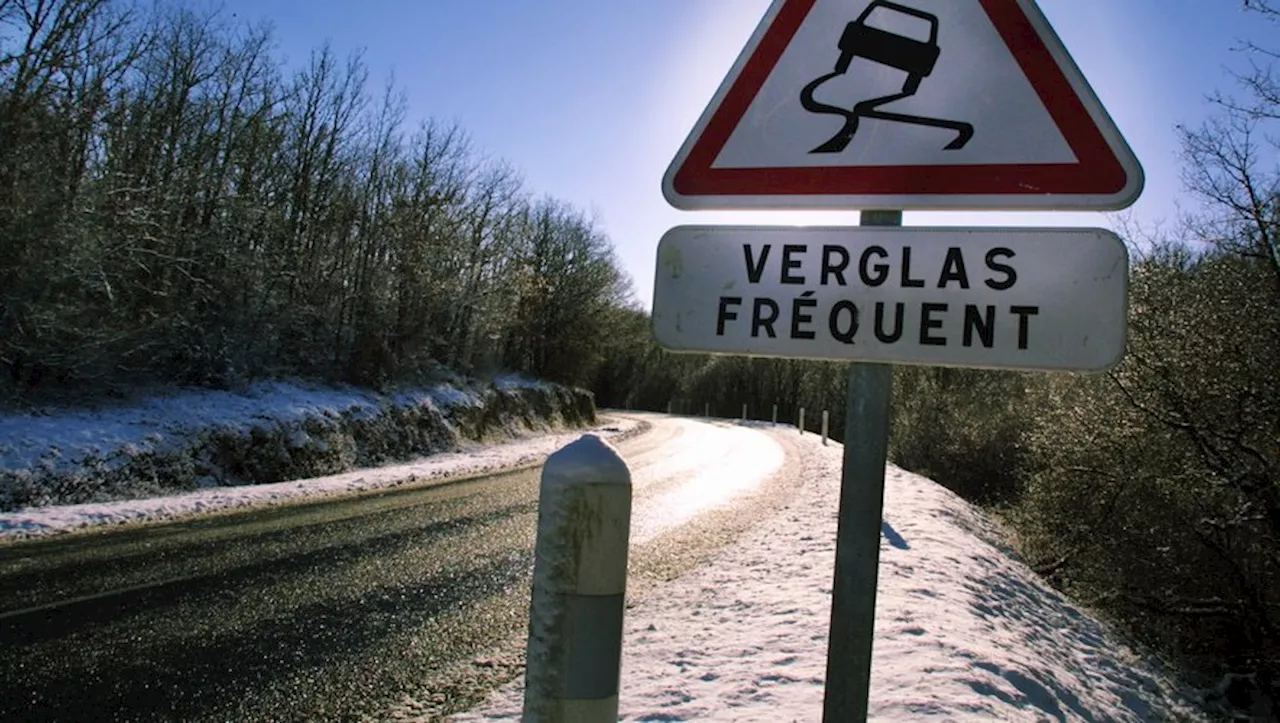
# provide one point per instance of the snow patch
(474, 460)
(64, 439)
(206, 439)
(515, 381)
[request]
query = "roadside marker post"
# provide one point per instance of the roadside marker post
(775, 415)
(825, 419)
(574, 650)
(999, 118)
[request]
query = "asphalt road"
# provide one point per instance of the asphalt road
(405, 604)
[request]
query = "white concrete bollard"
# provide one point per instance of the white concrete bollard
(574, 651)
(775, 414)
(744, 412)
(801, 425)
(824, 427)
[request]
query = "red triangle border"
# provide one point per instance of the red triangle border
(1097, 170)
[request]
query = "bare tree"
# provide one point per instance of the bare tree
(173, 205)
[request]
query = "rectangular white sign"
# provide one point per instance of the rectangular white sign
(1033, 298)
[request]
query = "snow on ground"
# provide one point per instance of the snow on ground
(474, 460)
(65, 438)
(712, 463)
(62, 439)
(964, 631)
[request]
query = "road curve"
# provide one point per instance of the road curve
(404, 603)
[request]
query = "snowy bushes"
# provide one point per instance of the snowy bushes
(1158, 493)
(275, 433)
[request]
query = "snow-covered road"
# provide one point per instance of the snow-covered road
(964, 631)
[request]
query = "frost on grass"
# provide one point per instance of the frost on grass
(964, 630)
(276, 431)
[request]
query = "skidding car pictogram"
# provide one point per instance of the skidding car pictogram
(917, 58)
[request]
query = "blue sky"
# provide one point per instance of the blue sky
(590, 99)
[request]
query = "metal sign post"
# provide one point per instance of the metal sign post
(853, 594)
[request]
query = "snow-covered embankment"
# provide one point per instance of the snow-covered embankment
(964, 630)
(64, 469)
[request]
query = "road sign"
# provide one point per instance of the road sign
(1046, 299)
(874, 104)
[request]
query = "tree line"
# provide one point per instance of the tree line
(176, 206)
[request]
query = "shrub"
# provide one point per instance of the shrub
(965, 429)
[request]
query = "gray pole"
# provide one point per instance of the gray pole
(578, 600)
(853, 594)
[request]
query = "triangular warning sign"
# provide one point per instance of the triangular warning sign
(909, 104)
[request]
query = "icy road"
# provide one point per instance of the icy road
(345, 607)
